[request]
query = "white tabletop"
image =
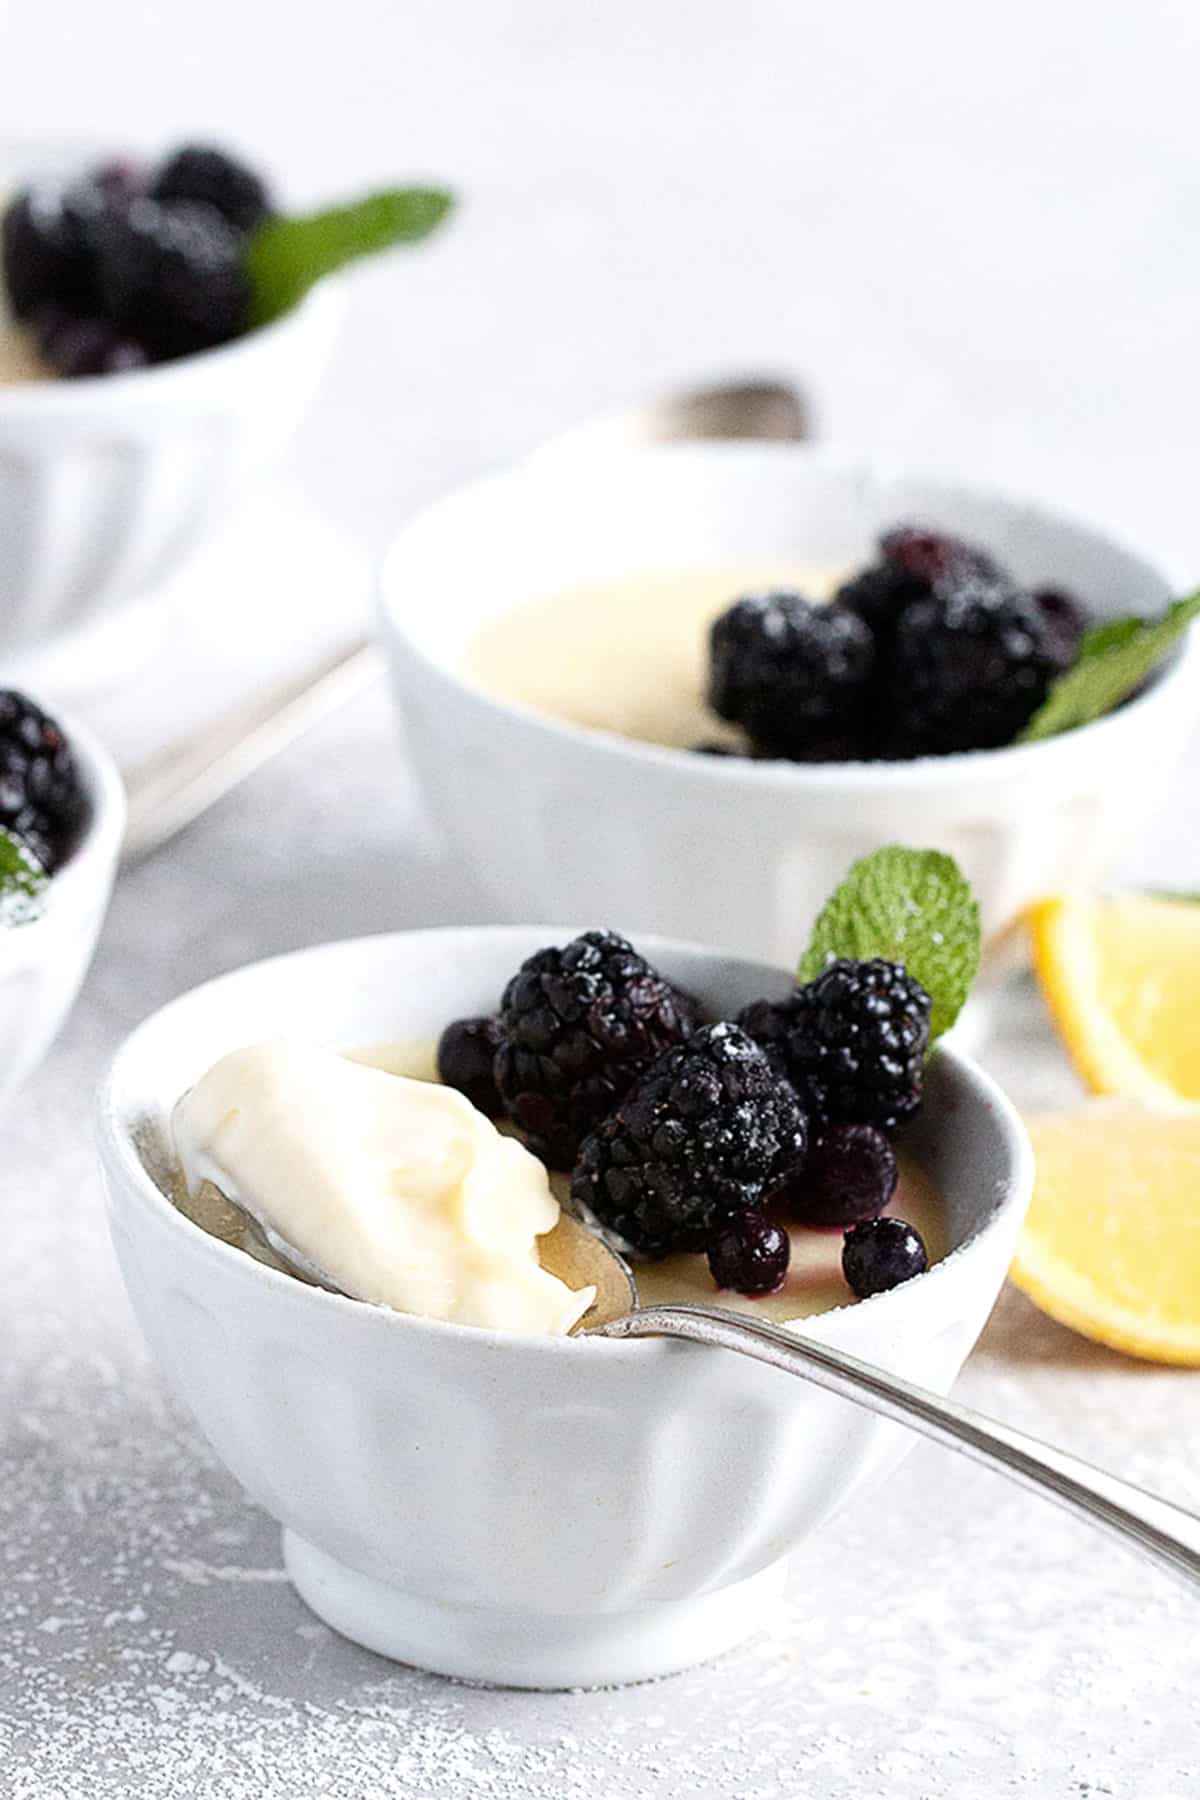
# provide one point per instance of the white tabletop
(968, 230)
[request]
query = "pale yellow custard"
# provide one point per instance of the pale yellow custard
(628, 655)
(814, 1282)
(19, 359)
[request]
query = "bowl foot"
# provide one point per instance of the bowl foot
(529, 1650)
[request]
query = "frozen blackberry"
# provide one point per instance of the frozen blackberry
(466, 1058)
(852, 1042)
(751, 1255)
(202, 172)
(795, 676)
(849, 1175)
(1067, 619)
(48, 242)
(882, 1254)
(912, 561)
(928, 557)
(41, 797)
(81, 346)
(702, 1137)
(578, 1025)
(172, 276)
(972, 664)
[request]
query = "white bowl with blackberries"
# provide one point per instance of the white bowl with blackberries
(62, 814)
(164, 323)
(686, 685)
(337, 1178)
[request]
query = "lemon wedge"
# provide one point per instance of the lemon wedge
(1121, 976)
(1111, 1246)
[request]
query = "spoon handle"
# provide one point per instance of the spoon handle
(1166, 1533)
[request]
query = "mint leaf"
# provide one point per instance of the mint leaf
(910, 906)
(287, 256)
(1099, 638)
(22, 882)
(1113, 662)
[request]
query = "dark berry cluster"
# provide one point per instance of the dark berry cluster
(120, 267)
(42, 800)
(683, 1136)
(933, 648)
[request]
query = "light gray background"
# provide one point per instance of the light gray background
(971, 230)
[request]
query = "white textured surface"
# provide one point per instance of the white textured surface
(968, 225)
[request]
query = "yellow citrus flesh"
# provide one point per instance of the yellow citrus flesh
(1111, 1246)
(1121, 976)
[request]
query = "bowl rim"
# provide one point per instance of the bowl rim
(88, 868)
(128, 1175)
(960, 769)
(87, 393)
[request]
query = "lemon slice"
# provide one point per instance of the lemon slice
(1121, 976)
(1111, 1246)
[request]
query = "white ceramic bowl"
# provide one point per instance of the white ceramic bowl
(42, 965)
(541, 1512)
(108, 482)
(559, 821)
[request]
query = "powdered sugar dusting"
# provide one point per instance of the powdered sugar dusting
(948, 1638)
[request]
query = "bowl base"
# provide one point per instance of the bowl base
(529, 1650)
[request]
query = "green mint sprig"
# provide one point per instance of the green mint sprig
(287, 256)
(1114, 660)
(22, 882)
(913, 907)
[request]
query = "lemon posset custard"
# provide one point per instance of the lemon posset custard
(19, 359)
(628, 655)
(814, 1282)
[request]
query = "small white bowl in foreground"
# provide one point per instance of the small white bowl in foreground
(539, 1512)
(559, 821)
(42, 965)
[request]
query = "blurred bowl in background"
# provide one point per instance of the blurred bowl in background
(42, 964)
(108, 482)
(557, 820)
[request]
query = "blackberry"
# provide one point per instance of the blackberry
(929, 558)
(466, 1056)
(852, 1042)
(750, 1255)
(201, 172)
(881, 1254)
(878, 595)
(83, 346)
(41, 797)
(795, 676)
(849, 1176)
(48, 245)
(703, 1136)
(972, 664)
(1067, 620)
(172, 276)
(912, 561)
(578, 1025)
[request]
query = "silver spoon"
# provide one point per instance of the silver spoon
(1165, 1533)
(175, 787)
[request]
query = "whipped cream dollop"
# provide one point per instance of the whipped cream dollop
(401, 1191)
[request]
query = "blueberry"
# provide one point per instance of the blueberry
(881, 1254)
(850, 1176)
(465, 1056)
(750, 1255)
